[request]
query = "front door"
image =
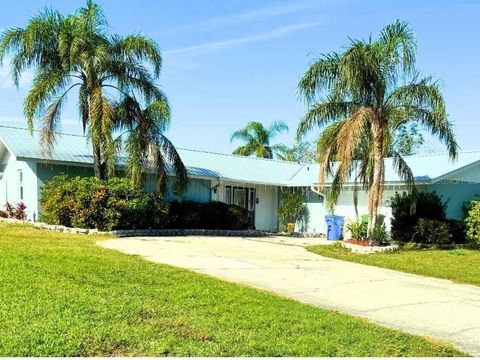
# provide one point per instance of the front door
(243, 197)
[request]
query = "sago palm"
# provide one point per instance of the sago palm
(360, 97)
(77, 55)
(258, 138)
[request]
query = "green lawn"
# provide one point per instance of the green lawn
(62, 295)
(459, 265)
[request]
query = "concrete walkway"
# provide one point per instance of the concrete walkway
(426, 306)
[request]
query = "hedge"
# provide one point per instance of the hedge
(115, 204)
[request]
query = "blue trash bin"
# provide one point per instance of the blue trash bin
(334, 226)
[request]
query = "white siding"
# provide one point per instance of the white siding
(267, 208)
(10, 183)
(316, 223)
(346, 208)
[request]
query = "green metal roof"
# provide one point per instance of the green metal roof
(76, 149)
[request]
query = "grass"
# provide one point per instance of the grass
(61, 295)
(459, 265)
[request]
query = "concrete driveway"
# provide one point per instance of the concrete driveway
(432, 307)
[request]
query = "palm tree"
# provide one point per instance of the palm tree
(146, 144)
(257, 139)
(77, 53)
(360, 97)
(301, 151)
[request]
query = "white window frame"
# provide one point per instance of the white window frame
(20, 184)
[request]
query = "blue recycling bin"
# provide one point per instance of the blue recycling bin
(334, 226)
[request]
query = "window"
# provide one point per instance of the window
(20, 184)
(228, 194)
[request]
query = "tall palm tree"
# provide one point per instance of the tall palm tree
(257, 139)
(360, 97)
(77, 54)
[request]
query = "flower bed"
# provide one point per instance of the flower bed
(364, 247)
(358, 242)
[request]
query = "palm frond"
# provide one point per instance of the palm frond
(422, 101)
(173, 157)
(138, 48)
(323, 113)
(275, 128)
(321, 75)
(403, 170)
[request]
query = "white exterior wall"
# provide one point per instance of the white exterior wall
(316, 223)
(266, 211)
(346, 208)
(10, 184)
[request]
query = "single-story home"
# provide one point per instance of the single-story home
(255, 184)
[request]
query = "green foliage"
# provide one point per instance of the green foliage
(431, 231)
(358, 229)
(301, 151)
(467, 205)
(378, 234)
(473, 222)
(408, 208)
(360, 98)
(458, 231)
(106, 205)
(114, 79)
(258, 138)
(407, 139)
(355, 229)
(292, 209)
(211, 215)
(64, 296)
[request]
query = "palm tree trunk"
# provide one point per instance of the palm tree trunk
(375, 194)
(98, 167)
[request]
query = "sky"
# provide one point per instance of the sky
(228, 62)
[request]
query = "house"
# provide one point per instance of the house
(255, 184)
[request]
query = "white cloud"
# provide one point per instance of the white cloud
(258, 14)
(263, 36)
(6, 81)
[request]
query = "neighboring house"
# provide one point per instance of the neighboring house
(255, 184)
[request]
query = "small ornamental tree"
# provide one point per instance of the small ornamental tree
(292, 209)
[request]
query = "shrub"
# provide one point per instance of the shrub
(472, 223)
(107, 205)
(467, 205)
(378, 235)
(358, 230)
(212, 215)
(431, 231)
(14, 212)
(408, 208)
(292, 209)
(458, 231)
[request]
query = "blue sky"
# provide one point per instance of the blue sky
(227, 62)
